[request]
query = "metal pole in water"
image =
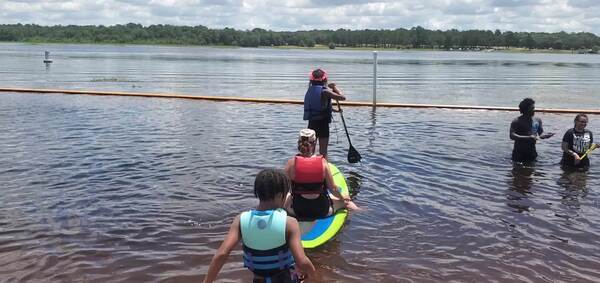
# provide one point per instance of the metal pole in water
(47, 59)
(374, 79)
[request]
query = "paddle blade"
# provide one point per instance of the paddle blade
(353, 155)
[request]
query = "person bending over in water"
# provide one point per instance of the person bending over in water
(318, 108)
(311, 181)
(270, 238)
(576, 142)
(525, 130)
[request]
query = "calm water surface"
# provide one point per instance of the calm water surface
(118, 189)
(472, 78)
(123, 189)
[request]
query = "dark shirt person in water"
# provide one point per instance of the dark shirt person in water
(526, 130)
(576, 142)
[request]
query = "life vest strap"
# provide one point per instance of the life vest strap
(268, 262)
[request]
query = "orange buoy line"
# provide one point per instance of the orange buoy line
(289, 101)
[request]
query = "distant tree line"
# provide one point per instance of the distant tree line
(416, 37)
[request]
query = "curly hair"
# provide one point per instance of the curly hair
(526, 105)
(269, 183)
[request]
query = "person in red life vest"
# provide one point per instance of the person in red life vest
(317, 106)
(311, 181)
(270, 238)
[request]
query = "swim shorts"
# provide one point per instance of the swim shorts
(321, 127)
(311, 208)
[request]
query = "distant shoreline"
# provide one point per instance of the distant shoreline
(415, 38)
(496, 49)
(323, 47)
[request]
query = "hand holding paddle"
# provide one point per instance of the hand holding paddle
(594, 146)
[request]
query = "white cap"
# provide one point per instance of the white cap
(308, 133)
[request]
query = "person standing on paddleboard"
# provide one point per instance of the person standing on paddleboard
(318, 108)
(576, 142)
(526, 130)
(270, 238)
(311, 181)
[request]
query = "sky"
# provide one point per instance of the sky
(293, 15)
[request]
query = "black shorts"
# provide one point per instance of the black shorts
(285, 276)
(311, 208)
(527, 156)
(321, 127)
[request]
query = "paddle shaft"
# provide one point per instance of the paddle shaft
(344, 122)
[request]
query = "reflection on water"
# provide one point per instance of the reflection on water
(354, 181)
(522, 177)
(574, 183)
(470, 78)
(125, 189)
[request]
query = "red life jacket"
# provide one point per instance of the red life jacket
(308, 175)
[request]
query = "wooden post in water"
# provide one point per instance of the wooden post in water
(374, 79)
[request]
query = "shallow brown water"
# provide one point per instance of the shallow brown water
(117, 189)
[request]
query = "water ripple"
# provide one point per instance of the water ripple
(119, 189)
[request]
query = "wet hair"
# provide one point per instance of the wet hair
(581, 115)
(304, 145)
(526, 105)
(270, 182)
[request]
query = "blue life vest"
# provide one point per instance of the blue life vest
(313, 104)
(264, 241)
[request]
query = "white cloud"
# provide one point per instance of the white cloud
(516, 15)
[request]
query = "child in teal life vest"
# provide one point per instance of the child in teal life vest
(270, 238)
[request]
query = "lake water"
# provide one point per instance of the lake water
(125, 189)
(471, 78)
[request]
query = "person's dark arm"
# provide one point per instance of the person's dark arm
(334, 92)
(547, 135)
(294, 243)
(565, 147)
(541, 132)
(231, 240)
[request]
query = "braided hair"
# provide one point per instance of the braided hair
(305, 146)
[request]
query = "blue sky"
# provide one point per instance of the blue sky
(291, 15)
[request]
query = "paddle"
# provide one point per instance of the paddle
(594, 146)
(353, 155)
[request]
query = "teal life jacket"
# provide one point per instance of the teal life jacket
(266, 251)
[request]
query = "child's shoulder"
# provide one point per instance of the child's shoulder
(291, 220)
